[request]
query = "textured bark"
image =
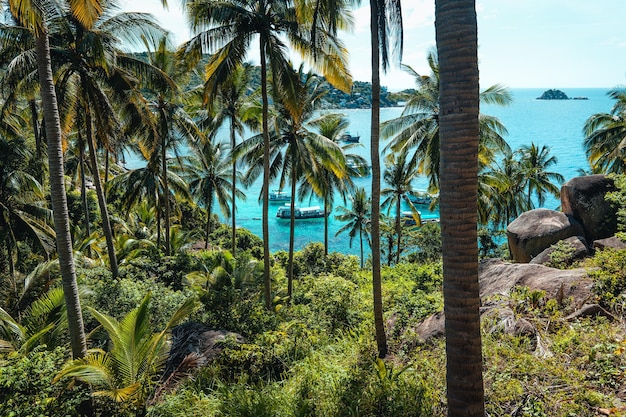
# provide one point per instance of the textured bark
(104, 212)
(456, 32)
(58, 196)
(234, 187)
(381, 338)
(267, 279)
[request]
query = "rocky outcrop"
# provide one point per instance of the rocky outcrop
(497, 277)
(583, 198)
(536, 230)
(609, 243)
(579, 251)
(553, 94)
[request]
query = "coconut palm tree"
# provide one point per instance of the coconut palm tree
(34, 15)
(332, 127)
(227, 28)
(208, 174)
(385, 27)
(418, 126)
(358, 219)
(229, 100)
(23, 208)
(400, 173)
(297, 151)
(604, 136)
(459, 134)
(534, 163)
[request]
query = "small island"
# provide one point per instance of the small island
(554, 94)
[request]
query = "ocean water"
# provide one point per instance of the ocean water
(557, 124)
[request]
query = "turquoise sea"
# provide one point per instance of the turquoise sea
(557, 124)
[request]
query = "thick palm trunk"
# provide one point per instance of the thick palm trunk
(233, 188)
(58, 196)
(104, 212)
(267, 279)
(381, 338)
(456, 30)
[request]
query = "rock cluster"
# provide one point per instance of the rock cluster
(585, 218)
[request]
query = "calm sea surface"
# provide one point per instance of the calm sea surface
(557, 124)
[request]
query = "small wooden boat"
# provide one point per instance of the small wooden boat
(284, 212)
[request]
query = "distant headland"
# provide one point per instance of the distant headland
(553, 94)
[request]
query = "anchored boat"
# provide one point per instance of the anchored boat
(284, 212)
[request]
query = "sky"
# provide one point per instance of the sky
(522, 44)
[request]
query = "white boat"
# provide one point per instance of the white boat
(284, 212)
(422, 197)
(279, 196)
(347, 137)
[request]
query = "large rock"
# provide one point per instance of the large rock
(578, 244)
(583, 199)
(497, 277)
(537, 230)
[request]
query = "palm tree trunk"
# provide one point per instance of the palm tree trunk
(233, 188)
(292, 225)
(95, 171)
(381, 338)
(58, 196)
(267, 279)
(326, 211)
(209, 211)
(83, 185)
(166, 194)
(456, 30)
(398, 229)
(361, 242)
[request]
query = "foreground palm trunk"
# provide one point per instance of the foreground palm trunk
(456, 30)
(58, 197)
(381, 337)
(267, 279)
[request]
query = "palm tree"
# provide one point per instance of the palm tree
(534, 162)
(228, 27)
(418, 126)
(32, 15)
(127, 370)
(385, 26)
(297, 151)
(229, 100)
(208, 174)
(604, 136)
(332, 127)
(400, 173)
(358, 219)
(23, 208)
(459, 132)
(173, 123)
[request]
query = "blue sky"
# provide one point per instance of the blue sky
(522, 43)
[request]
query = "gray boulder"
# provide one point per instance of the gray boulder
(583, 199)
(578, 243)
(536, 230)
(609, 243)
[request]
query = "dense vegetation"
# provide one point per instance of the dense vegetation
(146, 252)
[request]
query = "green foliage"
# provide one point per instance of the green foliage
(609, 276)
(26, 386)
(561, 256)
(246, 240)
(427, 241)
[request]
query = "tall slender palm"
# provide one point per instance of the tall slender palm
(33, 15)
(358, 219)
(173, 123)
(605, 134)
(332, 127)
(385, 27)
(208, 174)
(400, 173)
(418, 126)
(459, 131)
(297, 151)
(228, 100)
(228, 27)
(534, 163)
